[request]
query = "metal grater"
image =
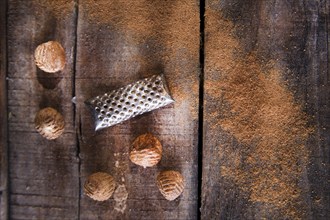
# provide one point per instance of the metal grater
(129, 101)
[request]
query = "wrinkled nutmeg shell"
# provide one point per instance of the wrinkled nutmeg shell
(50, 57)
(49, 123)
(99, 186)
(146, 151)
(170, 184)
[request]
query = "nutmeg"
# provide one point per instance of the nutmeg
(99, 186)
(146, 151)
(49, 123)
(50, 57)
(170, 184)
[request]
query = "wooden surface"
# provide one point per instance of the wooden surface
(110, 44)
(3, 116)
(46, 177)
(43, 174)
(292, 37)
(124, 51)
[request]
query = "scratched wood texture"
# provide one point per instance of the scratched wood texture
(296, 35)
(43, 174)
(113, 51)
(46, 177)
(3, 116)
(115, 43)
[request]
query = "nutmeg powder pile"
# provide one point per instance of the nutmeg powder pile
(259, 111)
(149, 19)
(168, 28)
(60, 8)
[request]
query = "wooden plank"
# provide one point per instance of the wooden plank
(315, 90)
(266, 65)
(120, 42)
(44, 178)
(3, 116)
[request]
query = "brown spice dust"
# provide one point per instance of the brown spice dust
(258, 109)
(171, 26)
(146, 19)
(59, 8)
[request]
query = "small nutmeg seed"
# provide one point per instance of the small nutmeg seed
(170, 184)
(50, 57)
(99, 186)
(146, 151)
(49, 123)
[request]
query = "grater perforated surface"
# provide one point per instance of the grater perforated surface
(129, 101)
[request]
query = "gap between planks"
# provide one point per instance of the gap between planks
(201, 104)
(76, 115)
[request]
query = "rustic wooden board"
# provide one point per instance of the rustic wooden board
(286, 37)
(3, 116)
(278, 50)
(44, 180)
(120, 42)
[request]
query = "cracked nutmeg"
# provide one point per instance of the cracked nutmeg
(49, 123)
(50, 57)
(99, 186)
(170, 184)
(146, 151)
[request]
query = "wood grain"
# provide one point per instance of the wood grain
(44, 179)
(110, 44)
(294, 35)
(115, 49)
(3, 115)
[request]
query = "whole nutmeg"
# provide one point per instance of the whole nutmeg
(50, 57)
(99, 186)
(49, 123)
(146, 151)
(170, 184)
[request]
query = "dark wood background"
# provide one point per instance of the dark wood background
(112, 43)
(294, 34)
